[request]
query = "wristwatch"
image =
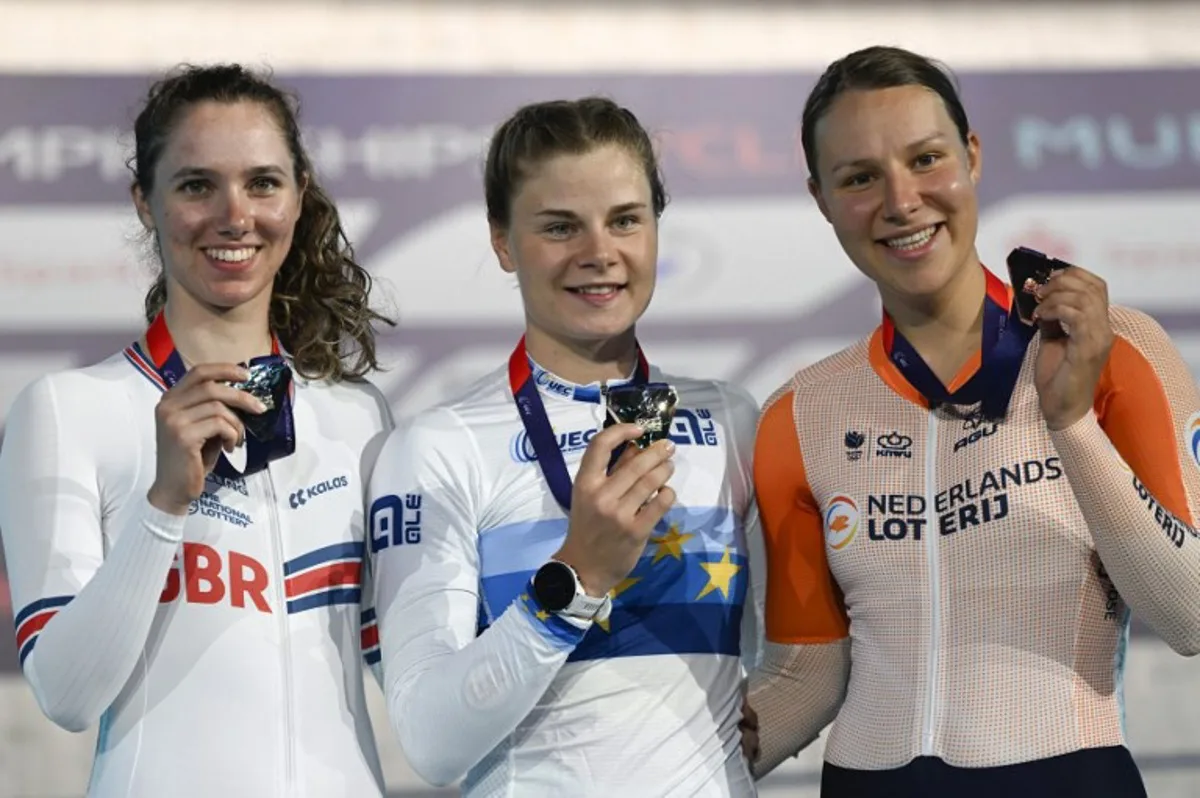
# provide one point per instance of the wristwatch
(557, 588)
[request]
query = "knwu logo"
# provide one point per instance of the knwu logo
(301, 497)
(893, 444)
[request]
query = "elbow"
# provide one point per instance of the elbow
(1185, 642)
(432, 759)
(67, 715)
(74, 719)
(428, 744)
(73, 723)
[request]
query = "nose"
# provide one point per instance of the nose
(902, 196)
(598, 249)
(234, 216)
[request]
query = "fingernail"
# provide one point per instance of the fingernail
(258, 405)
(670, 446)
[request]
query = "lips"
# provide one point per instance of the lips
(914, 240)
(598, 289)
(231, 255)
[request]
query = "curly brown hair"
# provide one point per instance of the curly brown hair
(320, 301)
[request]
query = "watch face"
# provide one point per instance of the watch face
(554, 586)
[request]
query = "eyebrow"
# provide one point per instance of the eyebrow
(931, 138)
(558, 213)
(197, 171)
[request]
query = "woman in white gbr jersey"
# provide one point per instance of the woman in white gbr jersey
(186, 558)
(548, 627)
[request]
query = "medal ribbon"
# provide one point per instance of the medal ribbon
(537, 424)
(1002, 351)
(168, 363)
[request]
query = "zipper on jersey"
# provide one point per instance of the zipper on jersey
(932, 539)
(289, 733)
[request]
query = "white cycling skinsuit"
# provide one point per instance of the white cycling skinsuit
(221, 652)
(483, 683)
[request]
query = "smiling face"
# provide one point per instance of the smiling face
(897, 183)
(583, 243)
(224, 205)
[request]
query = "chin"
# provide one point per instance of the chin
(918, 280)
(598, 333)
(230, 297)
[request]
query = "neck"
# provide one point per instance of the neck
(946, 329)
(204, 334)
(583, 362)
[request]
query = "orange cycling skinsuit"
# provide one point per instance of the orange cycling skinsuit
(982, 569)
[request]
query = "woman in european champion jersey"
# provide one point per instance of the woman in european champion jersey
(183, 522)
(553, 622)
(962, 509)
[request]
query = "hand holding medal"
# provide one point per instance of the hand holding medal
(613, 512)
(200, 416)
(210, 409)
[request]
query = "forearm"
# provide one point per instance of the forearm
(450, 707)
(86, 653)
(796, 693)
(1152, 557)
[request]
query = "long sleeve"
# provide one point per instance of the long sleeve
(83, 614)
(752, 632)
(369, 633)
(801, 682)
(743, 422)
(452, 695)
(1142, 508)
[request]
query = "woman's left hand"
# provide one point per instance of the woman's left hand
(1076, 338)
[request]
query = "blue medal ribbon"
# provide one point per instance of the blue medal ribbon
(524, 384)
(1002, 351)
(169, 365)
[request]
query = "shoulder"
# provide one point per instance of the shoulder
(712, 396)
(356, 406)
(1137, 327)
(93, 392)
(846, 363)
(449, 428)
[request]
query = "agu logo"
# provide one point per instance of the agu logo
(1192, 436)
(841, 522)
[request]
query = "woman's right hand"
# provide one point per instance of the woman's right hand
(194, 422)
(612, 515)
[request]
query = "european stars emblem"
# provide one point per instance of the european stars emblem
(621, 587)
(670, 544)
(720, 575)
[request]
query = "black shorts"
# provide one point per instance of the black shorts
(1090, 773)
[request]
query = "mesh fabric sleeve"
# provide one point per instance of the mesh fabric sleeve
(452, 696)
(83, 615)
(801, 682)
(1142, 508)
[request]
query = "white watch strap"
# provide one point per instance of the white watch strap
(584, 606)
